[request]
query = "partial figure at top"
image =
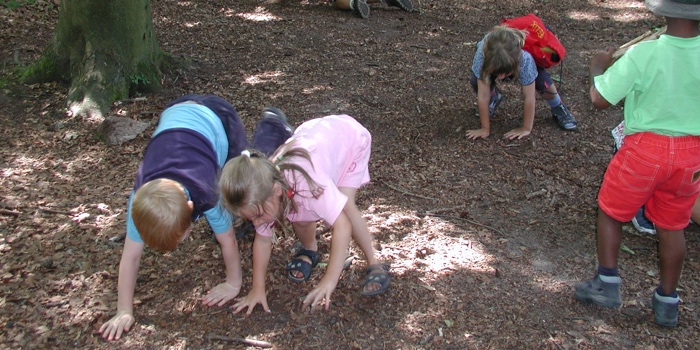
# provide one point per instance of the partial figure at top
(361, 8)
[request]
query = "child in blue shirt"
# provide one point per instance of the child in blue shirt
(176, 184)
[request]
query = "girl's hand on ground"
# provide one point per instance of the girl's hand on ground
(317, 296)
(477, 134)
(120, 323)
(249, 301)
(516, 133)
(221, 294)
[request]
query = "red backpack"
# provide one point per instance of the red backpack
(540, 42)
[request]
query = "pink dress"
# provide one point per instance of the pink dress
(340, 148)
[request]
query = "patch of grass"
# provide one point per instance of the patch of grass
(15, 4)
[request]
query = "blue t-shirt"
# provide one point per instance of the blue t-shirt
(189, 146)
(528, 69)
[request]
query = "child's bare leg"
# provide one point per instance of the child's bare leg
(360, 231)
(672, 250)
(342, 4)
(305, 231)
(306, 234)
(550, 92)
(609, 232)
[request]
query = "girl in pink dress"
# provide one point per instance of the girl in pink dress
(313, 176)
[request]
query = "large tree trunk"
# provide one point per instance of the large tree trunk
(105, 49)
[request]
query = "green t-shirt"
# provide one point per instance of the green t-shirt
(660, 82)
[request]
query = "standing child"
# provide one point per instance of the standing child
(500, 56)
(640, 221)
(314, 176)
(658, 165)
(176, 184)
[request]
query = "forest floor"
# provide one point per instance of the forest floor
(485, 238)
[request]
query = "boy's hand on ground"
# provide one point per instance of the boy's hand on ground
(477, 134)
(516, 133)
(319, 295)
(221, 294)
(249, 301)
(120, 323)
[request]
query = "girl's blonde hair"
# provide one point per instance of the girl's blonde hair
(248, 181)
(161, 213)
(502, 50)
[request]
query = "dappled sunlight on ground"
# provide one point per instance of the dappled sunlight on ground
(266, 77)
(261, 14)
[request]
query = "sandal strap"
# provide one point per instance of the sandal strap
(312, 255)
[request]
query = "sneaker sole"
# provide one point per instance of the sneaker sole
(361, 9)
(604, 302)
(641, 228)
(567, 128)
(666, 322)
(405, 5)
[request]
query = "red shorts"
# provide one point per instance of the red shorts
(660, 172)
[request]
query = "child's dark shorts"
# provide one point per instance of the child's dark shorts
(235, 131)
(661, 172)
(542, 82)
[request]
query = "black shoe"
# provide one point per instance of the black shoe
(360, 8)
(276, 113)
(405, 5)
(272, 131)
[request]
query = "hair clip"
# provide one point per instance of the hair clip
(246, 153)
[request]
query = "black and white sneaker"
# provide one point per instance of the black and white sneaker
(405, 5)
(276, 113)
(360, 8)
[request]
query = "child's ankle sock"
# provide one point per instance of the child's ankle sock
(661, 293)
(555, 102)
(604, 271)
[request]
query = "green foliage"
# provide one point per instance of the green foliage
(4, 79)
(15, 4)
(145, 79)
(139, 79)
(139, 83)
(45, 69)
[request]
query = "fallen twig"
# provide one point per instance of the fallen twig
(132, 100)
(536, 193)
(440, 210)
(554, 341)
(10, 212)
(471, 222)
(406, 193)
(56, 303)
(251, 342)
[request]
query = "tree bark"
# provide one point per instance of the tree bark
(105, 49)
